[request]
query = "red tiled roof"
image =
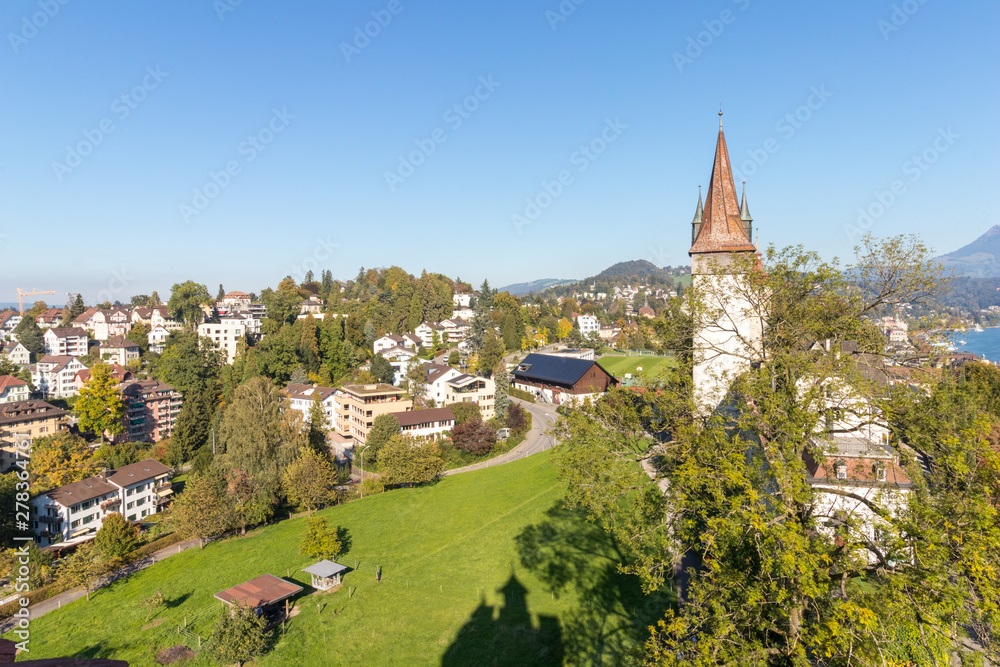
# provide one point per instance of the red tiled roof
(722, 228)
(260, 592)
(7, 381)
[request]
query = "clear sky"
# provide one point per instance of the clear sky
(116, 115)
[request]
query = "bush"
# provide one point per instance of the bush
(518, 419)
(474, 437)
(34, 597)
(465, 412)
(371, 486)
(521, 394)
(162, 543)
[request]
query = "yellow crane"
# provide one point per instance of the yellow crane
(22, 293)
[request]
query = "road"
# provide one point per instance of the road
(543, 418)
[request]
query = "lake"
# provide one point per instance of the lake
(984, 343)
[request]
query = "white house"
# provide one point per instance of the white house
(429, 424)
(53, 376)
(445, 385)
(301, 396)
(118, 350)
(426, 332)
(76, 511)
(16, 352)
(312, 306)
(9, 319)
(226, 334)
(113, 322)
(12, 389)
(157, 338)
(455, 329)
(233, 301)
(588, 324)
(399, 358)
(388, 341)
(463, 300)
(65, 341)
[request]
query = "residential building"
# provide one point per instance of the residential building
(232, 301)
(426, 332)
(312, 306)
(118, 350)
(151, 410)
(455, 329)
(357, 406)
(250, 321)
(585, 353)
(118, 372)
(462, 300)
(389, 341)
(87, 320)
(160, 317)
(26, 420)
(9, 319)
(76, 511)
(608, 332)
(12, 389)
(53, 376)
(446, 385)
(399, 358)
(157, 338)
(16, 352)
(431, 424)
(50, 318)
(588, 324)
(562, 380)
(226, 334)
(65, 341)
(301, 396)
(113, 322)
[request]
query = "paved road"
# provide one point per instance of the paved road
(56, 601)
(543, 418)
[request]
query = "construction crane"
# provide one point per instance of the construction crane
(22, 293)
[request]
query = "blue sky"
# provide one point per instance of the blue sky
(309, 128)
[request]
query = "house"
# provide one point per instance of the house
(118, 350)
(389, 341)
(76, 511)
(113, 322)
(118, 372)
(462, 300)
(87, 320)
(141, 315)
(226, 334)
(312, 306)
(233, 301)
(301, 396)
(151, 410)
(250, 321)
(16, 352)
(445, 385)
(357, 406)
(562, 380)
(157, 338)
(53, 376)
(588, 324)
(9, 319)
(65, 341)
(160, 317)
(431, 424)
(455, 329)
(608, 332)
(26, 420)
(399, 358)
(12, 389)
(50, 318)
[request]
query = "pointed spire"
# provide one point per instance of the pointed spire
(722, 229)
(744, 210)
(698, 212)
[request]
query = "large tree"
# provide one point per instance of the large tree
(29, 334)
(117, 538)
(60, 459)
(309, 481)
(492, 354)
(383, 429)
(404, 460)
(239, 636)
(194, 423)
(320, 541)
(766, 578)
(100, 407)
(85, 567)
(186, 300)
(203, 509)
(188, 363)
(382, 369)
(501, 398)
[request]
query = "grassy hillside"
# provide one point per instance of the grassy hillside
(476, 570)
(651, 366)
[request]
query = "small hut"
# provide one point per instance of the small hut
(265, 591)
(325, 574)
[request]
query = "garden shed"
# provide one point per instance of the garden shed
(325, 574)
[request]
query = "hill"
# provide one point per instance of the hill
(478, 567)
(521, 289)
(634, 270)
(979, 259)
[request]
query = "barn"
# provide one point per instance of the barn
(562, 380)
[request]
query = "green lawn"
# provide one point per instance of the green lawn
(651, 366)
(480, 568)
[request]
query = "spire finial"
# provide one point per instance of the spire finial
(720, 115)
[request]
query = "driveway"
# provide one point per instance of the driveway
(543, 418)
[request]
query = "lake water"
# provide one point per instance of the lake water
(984, 343)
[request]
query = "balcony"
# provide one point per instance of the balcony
(111, 505)
(50, 519)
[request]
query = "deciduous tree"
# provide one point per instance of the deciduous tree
(203, 509)
(84, 568)
(117, 538)
(475, 437)
(240, 635)
(100, 407)
(320, 541)
(382, 369)
(60, 459)
(186, 300)
(383, 429)
(309, 481)
(404, 460)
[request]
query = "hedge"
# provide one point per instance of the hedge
(34, 597)
(523, 395)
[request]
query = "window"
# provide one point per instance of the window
(879, 470)
(88, 518)
(130, 505)
(75, 524)
(840, 468)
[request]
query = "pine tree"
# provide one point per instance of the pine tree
(492, 354)
(486, 295)
(100, 406)
(319, 424)
(222, 293)
(193, 428)
(29, 334)
(501, 397)
(382, 369)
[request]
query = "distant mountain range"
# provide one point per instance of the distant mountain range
(521, 289)
(979, 259)
(621, 272)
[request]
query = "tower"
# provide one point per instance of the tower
(728, 329)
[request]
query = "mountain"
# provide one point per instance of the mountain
(639, 268)
(521, 289)
(979, 259)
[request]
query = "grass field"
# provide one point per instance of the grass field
(651, 366)
(480, 568)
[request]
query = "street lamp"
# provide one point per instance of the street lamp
(363, 470)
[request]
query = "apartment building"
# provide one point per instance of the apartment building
(118, 350)
(76, 511)
(9, 319)
(226, 334)
(431, 424)
(151, 410)
(16, 352)
(65, 341)
(446, 385)
(53, 376)
(30, 419)
(357, 406)
(301, 397)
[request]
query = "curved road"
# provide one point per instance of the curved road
(543, 418)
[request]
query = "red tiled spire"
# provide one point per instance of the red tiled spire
(722, 229)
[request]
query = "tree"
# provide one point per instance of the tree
(416, 378)
(404, 460)
(501, 377)
(474, 437)
(84, 568)
(453, 358)
(466, 412)
(285, 303)
(240, 635)
(117, 538)
(486, 295)
(115, 456)
(320, 542)
(139, 334)
(186, 300)
(518, 419)
(299, 376)
(152, 603)
(771, 576)
(309, 481)
(492, 354)
(319, 424)
(154, 300)
(203, 509)
(59, 459)
(480, 324)
(29, 334)
(100, 406)
(73, 309)
(383, 429)
(8, 367)
(188, 363)
(194, 422)
(382, 369)
(221, 294)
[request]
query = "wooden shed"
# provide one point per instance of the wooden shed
(325, 574)
(260, 593)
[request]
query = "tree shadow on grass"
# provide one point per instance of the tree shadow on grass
(572, 555)
(344, 536)
(98, 650)
(508, 639)
(177, 601)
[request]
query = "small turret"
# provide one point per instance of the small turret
(745, 214)
(696, 223)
